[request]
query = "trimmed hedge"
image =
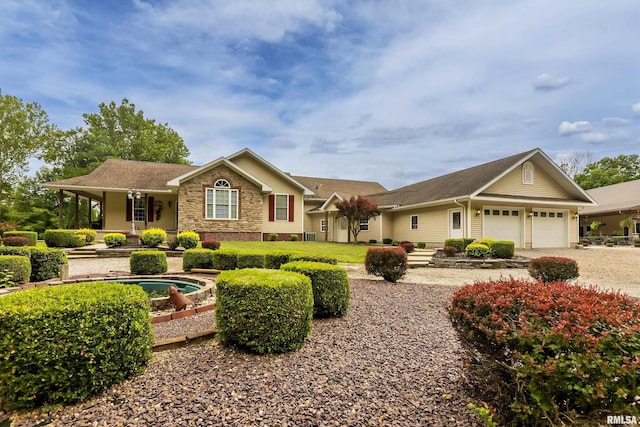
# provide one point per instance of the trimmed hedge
(188, 239)
(548, 354)
(504, 249)
(250, 260)
(553, 269)
(153, 237)
(115, 239)
(314, 258)
(15, 241)
(330, 284)
(64, 239)
(264, 311)
(274, 260)
(31, 236)
(225, 259)
(390, 263)
(17, 266)
(148, 262)
(477, 250)
(197, 258)
(89, 234)
(45, 262)
(61, 344)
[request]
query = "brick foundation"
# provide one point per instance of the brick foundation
(230, 236)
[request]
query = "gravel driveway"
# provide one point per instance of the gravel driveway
(393, 360)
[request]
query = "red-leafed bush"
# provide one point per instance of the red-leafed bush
(407, 246)
(559, 351)
(553, 269)
(450, 250)
(211, 244)
(390, 263)
(15, 241)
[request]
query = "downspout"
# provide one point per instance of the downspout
(464, 213)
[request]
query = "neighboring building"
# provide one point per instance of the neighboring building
(615, 203)
(525, 198)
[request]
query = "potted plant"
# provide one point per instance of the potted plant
(609, 241)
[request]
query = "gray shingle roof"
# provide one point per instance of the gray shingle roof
(624, 196)
(323, 188)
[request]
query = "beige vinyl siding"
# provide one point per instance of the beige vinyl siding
(543, 185)
(115, 206)
(476, 223)
(433, 226)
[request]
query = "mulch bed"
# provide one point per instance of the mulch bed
(394, 360)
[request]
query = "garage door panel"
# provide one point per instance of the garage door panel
(549, 229)
(502, 223)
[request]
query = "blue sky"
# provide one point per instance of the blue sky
(390, 91)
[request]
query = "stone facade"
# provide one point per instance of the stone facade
(191, 207)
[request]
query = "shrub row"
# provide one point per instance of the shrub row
(230, 260)
(64, 239)
(460, 244)
(390, 263)
(563, 352)
(31, 236)
(16, 269)
(148, 262)
(61, 344)
(15, 241)
(45, 262)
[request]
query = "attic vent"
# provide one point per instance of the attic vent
(527, 173)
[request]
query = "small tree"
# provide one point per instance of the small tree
(356, 210)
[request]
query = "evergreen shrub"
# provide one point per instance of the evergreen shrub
(250, 260)
(148, 262)
(115, 239)
(274, 260)
(31, 236)
(264, 311)
(314, 258)
(153, 237)
(64, 239)
(553, 269)
(188, 239)
(62, 344)
(225, 259)
(197, 258)
(15, 241)
(504, 249)
(89, 234)
(330, 284)
(18, 268)
(45, 262)
(477, 250)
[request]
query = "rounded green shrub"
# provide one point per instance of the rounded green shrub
(275, 259)
(421, 245)
(197, 258)
(387, 240)
(314, 258)
(64, 239)
(553, 269)
(31, 236)
(62, 344)
(293, 237)
(502, 249)
(153, 237)
(225, 259)
(114, 239)
(188, 239)
(15, 241)
(45, 262)
(250, 260)
(264, 311)
(456, 243)
(89, 234)
(390, 263)
(331, 292)
(18, 268)
(148, 262)
(477, 250)
(272, 237)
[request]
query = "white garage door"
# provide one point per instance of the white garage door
(549, 229)
(503, 223)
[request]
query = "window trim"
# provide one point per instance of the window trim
(323, 225)
(286, 207)
(364, 225)
(413, 226)
(528, 176)
(222, 185)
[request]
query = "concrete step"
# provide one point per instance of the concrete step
(79, 256)
(420, 258)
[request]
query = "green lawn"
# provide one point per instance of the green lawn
(343, 252)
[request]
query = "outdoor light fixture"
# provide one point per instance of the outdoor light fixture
(576, 215)
(133, 195)
(530, 214)
(478, 211)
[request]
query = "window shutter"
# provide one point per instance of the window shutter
(150, 213)
(291, 207)
(128, 213)
(272, 207)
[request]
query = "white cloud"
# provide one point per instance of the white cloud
(636, 109)
(568, 128)
(595, 137)
(615, 121)
(546, 82)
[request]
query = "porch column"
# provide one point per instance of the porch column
(89, 213)
(60, 207)
(326, 226)
(77, 214)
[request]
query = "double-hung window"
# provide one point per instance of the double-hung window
(282, 207)
(221, 201)
(364, 225)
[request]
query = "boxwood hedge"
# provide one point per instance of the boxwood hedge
(331, 290)
(314, 258)
(225, 259)
(45, 262)
(250, 260)
(275, 259)
(18, 268)
(264, 311)
(64, 239)
(32, 236)
(148, 262)
(61, 344)
(197, 258)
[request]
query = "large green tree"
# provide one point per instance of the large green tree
(608, 171)
(23, 130)
(119, 132)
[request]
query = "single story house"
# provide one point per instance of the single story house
(525, 198)
(615, 203)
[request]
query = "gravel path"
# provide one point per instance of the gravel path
(393, 360)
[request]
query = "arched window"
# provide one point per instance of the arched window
(527, 173)
(221, 201)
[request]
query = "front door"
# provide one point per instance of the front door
(455, 224)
